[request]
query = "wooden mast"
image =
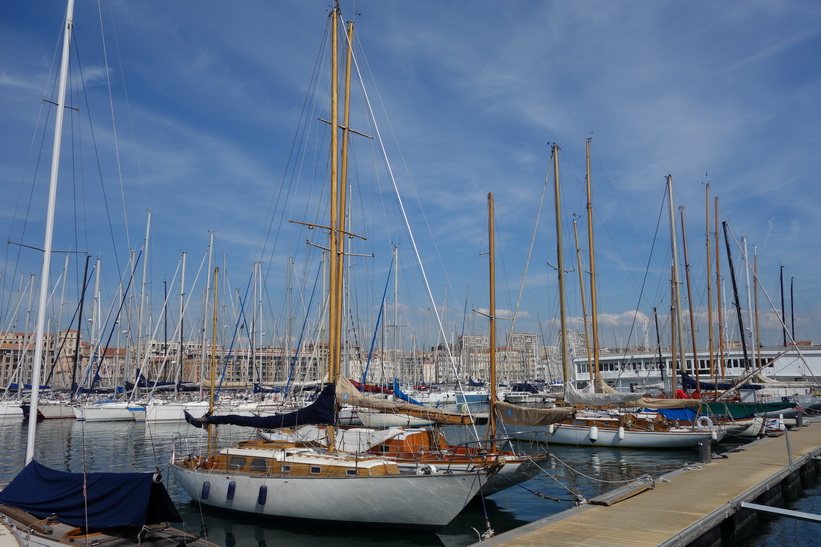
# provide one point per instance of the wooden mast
(491, 422)
(689, 298)
(342, 188)
(333, 234)
(590, 365)
(719, 304)
(560, 267)
(593, 301)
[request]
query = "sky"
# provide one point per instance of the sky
(200, 110)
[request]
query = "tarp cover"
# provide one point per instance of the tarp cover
(112, 499)
(347, 394)
(524, 387)
(320, 412)
(515, 415)
(658, 404)
(611, 397)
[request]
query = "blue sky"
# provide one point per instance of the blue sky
(207, 97)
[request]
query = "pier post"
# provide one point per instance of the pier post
(705, 454)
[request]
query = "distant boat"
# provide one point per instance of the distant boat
(11, 410)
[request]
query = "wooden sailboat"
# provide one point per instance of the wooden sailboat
(607, 417)
(45, 507)
(289, 480)
(416, 448)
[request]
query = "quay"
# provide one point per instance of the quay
(699, 505)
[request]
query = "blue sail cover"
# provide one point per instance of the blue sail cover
(320, 412)
(111, 499)
(524, 387)
(402, 395)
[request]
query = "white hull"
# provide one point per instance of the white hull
(750, 428)
(106, 411)
(10, 410)
(173, 412)
(419, 501)
(580, 435)
(55, 410)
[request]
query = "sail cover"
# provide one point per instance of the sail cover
(515, 415)
(347, 394)
(111, 499)
(397, 391)
(320, 412)
(573, 395)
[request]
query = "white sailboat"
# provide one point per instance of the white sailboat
(289, 480)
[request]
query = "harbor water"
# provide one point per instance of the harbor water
(571, 473)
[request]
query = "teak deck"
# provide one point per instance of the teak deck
(675, 512)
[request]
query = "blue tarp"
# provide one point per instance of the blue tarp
(524, 387)
(111, 499)
(319, 412)
(682, 414)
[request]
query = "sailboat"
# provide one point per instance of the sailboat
(46, 507)
(613, 420)
(285, 479)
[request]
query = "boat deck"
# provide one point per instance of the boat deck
(678, 510)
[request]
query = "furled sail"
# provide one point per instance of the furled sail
(320, 412)
(515, 415)
(347, 394)
(575, 396)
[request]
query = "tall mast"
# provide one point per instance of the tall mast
(49, 233)
(709, 283)
(590, 365)
(181, 351)
(783, 314)
(719, 303)
(792, 312)
(205, 311)
(735, 296)
(689, 296)
(141, 313)
(755, 292)
(676, 283)
(491, 422)
(333, 254)
(213, 377)
(76, 358)
(340, 178)
(560, 267)
(591, 250)
(747, 267)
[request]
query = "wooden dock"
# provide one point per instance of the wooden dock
(698, 505)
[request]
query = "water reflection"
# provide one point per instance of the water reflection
(129, 446)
